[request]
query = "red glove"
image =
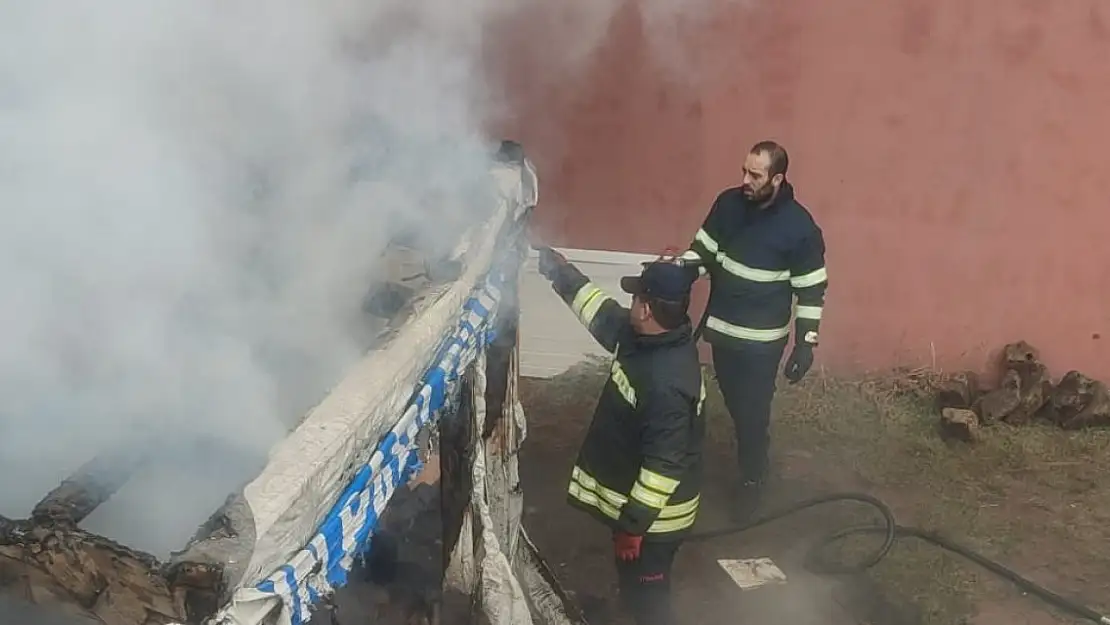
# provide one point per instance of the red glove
(627, 546)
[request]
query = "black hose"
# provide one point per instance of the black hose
(891, 531)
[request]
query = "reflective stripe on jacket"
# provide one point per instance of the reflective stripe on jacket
(639, 468)
(759, 260)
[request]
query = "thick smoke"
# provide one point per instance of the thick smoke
(194, 197)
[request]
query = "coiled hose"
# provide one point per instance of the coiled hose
(891, 532)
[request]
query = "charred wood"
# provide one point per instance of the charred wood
(88, 487)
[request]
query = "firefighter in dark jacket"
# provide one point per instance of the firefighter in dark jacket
(762, 250)
(639, 468)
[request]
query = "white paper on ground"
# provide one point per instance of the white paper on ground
(753, 573)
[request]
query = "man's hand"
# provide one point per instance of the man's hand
(550, 262)
(627, 546)
(799, 363)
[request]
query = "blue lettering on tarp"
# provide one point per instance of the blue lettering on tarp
(295, 599)
(438, 386)
(450, 355)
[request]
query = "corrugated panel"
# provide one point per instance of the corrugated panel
(551, 338)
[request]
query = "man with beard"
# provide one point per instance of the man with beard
(761, 249)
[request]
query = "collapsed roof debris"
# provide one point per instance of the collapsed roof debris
(49, 559)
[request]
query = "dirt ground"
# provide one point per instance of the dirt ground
(1032, 497)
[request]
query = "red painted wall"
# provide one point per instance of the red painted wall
(954, 151)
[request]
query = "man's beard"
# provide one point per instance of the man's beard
(761, 195)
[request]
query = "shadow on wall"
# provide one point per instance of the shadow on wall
(616, 133)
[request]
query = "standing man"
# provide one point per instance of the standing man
(761, 249)
(639, 468)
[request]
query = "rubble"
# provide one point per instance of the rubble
(959, 391)
(84, 575)
(1025, 394)
(1079, 402)
(997, 404)
(47, 560)
(959, 424)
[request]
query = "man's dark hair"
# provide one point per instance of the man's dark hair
(669, 315)
(780, 160)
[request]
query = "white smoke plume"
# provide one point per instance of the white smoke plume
(193, 197)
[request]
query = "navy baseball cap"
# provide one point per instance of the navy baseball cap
(662, 280)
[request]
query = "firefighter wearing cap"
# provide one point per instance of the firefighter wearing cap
(639, 468)
(762, 251)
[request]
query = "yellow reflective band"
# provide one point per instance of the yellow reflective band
(672, 518)
(658, 482)
(648, 497)
(703, 237)
(592, 500)
(677, 517)
(587, 291)
(587, 302)
(701, 395)
(680, 509)
(623, 385)
(663, 526)
(812, 278)
(809, 312)
(750, 334)
(588, 483)
(751, 273)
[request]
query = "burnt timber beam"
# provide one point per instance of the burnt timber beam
(47, 560)
(88, 487)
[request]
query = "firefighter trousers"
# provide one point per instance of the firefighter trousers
(746, 376)
(645, 583)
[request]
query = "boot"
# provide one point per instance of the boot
(748, 498)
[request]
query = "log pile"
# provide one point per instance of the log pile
(1025, 394)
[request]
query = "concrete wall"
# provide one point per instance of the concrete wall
(953, 151)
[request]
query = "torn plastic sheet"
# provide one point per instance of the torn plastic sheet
(512, 582)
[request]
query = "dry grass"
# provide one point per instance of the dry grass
(1031, 497)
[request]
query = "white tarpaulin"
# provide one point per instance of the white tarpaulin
(320, 496)
(502, 568)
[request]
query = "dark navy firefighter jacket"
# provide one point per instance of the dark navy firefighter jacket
(640, 466)
(759, 260)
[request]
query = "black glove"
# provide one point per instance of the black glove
(799, 363)
(550, 262)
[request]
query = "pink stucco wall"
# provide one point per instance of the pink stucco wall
(956, 153)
